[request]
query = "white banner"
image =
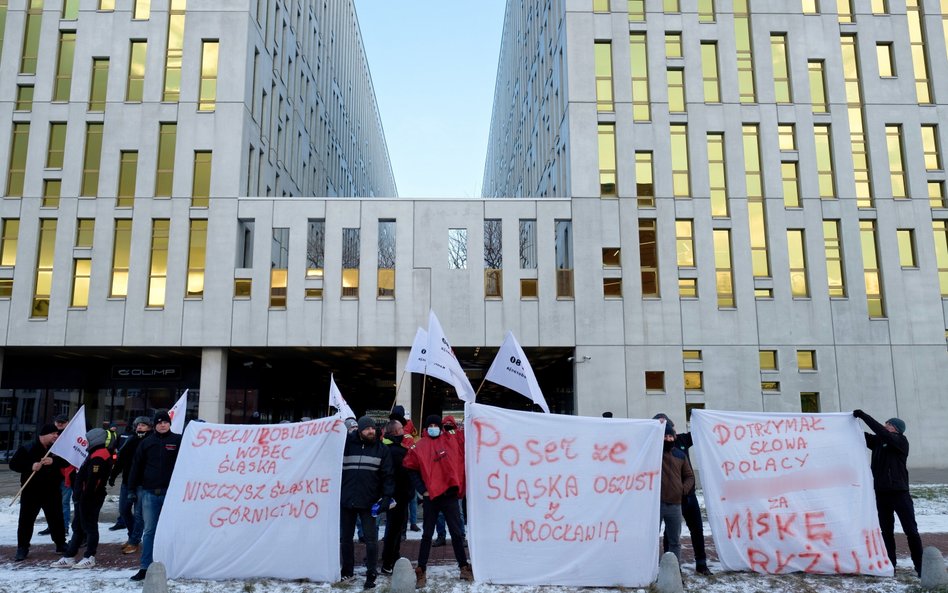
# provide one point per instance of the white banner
(512, 370)
(337, 401)
(789, 492)
(418, 357)
(252, 501)
(177, 413)
(71, 444)
(562, 500)
(442, 364)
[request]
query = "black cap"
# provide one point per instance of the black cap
(366, 422)
(162, 416)
(61, 418)
(662, 416)
(433, 419)
(48, 429)
(607, 414)
(669, 429)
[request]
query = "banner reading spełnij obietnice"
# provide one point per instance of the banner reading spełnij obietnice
(250, 501)
(562, 500)
(789, 492)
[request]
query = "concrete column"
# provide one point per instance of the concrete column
(404, 386)
(213, 384)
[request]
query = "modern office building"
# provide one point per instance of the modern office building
(730, 204)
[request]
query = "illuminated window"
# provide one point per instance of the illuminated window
(528, 244)
(636, 10)
(81, 276)
(315, 247)
(673, 45)
(691, 354)
(906, 240)
(806, 360)
(791, 184)
(778, 50)
(871, 271)
(386, 249)
(709, 72)
(706, 11)
(939, 227)
(31, 36)
(856, 123)
(944, 20)
(563, 255)
(810, 402)
(676, 90)
(142, 10)
(641, 109)
(279, 264)
(688, 288)
(845, 10)
(685, 243)
(70, 10)
(644, 182)
(209, 60)
(493, 258)
(164, 176)
(796, 250)
(752, 172)
(120, 258)
(99, 84)
(671, 6)
(106, 5)
(175, 45)
(893, 135)
(755, 202)
(768, 360)
(811, 6)
(135, 85)
(694, 381)
(916, 18)
(936, 194)
(681, 178)
(350, 261)
(600, 5)
(128, 175)
(787, 136)
(717, 176)
(201, 182)
(57, 146)
(92, 160)
(930, 146)
(884, 57)
(603, 56)
(648, 257)
(655, 381)
(745, 53)
(52, 190)
(824, 161)
(16, 172)
(608, 184)
(722, 268)
(44, 268)
(67, 52)
(880, 7)
(24, 97)
(85, 230)
(158, 274)
(817, 86)
(835, 276)
(11, 236)
(770, 386)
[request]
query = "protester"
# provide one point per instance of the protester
(690, 509)
(148, 479)
(408, 439)
(437, 467)
(456, 436)
(131, 513)
(89, 494)
(65, 487)
(890, 479)
(677, 479)
(42, 492)
(404, 491)
(366, 481)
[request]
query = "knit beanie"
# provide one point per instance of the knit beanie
(433, 419)
(366, 422)
(48, 429)
(96, 438)
(898, 423)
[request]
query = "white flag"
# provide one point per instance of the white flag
(418, 357)
(177, 413)
(71, 444)
(512, 370)
(442, 363)
(337, 401)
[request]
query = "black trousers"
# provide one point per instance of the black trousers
(50, 501)
(395, 521)
(447, 504)
(899, 503)
(85, 524)
(370, 531)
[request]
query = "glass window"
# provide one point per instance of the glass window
(671, 6)
(158, 274)
(706, 11)
(835, 276)
(57, 146)
(350, 262)
(81, 275)
(936, 194)
(106, 5)
(644, 184)
(745, 53)
(939, 228)
(528, 288)
(201, 183)
(916, 28)
(770, 386)
(612, 288)
(857, 138)
(128, 176)
(817, 86)
(694, 381)
(197, 258)
(655, 381)
(164, 176)
(648, 257)
(603, 57)
(608, 184)
(824, 162)
(209, 60)
(31, 36)
(685, 243)
(688, 288)
(67, 52)
(493, 258)
(811, 6)
(810, 402)
(85, 229)
(681, 181)
(806, 360)
(245, 234)
(880, 7)
(44, 268)
(99, 84)
(92, 160)
(636, 10)
(778, 49)
(135, 85)
(563, 254)
(893, 136)
(611, 257)
(768, 360)
(845, 10)
(906, 240)
(528, 244)
(315, 247)
(70, 10)
(796, 249)
(722, 268)
(641, 106)
(884, 57)
(691, 354)
(11, 235)
(930, 146)
(791, 184)
(175, 53)
(52, 190)
(870, 264)
(709, 72)
(600, 5)
(676, 90)
(673, 45)
(457, 249)
(386, 275)
(142, 10)
(16, 173)
(787, 135)
(279, 264)
(24, 97)
(717, 176)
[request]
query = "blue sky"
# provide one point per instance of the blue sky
(433, 64)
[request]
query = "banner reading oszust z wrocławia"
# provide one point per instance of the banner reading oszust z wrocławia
(562, 500)
(251, 501)
(789, 492)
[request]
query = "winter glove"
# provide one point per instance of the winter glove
(112, 481)
(858, 413)
(132, 497)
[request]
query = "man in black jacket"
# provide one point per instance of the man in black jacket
(43, 491)
(149, 478)
(366, 480)
(131, 512)
(890, 480)
(404, 491)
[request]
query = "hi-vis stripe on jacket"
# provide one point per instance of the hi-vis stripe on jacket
(366, 473)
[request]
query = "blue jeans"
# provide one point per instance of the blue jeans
(131, 514)
(151, 504)
(66, 491)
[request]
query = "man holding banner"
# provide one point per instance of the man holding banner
(677, 479)
(43, 472)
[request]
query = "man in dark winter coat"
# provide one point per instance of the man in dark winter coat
(404, 491)
(131, 512)
(366, 481)
(149, 478)
(43, 491)
(690, 509)
(890, 480)
(677, 478)
(437, 471)
(88, 492)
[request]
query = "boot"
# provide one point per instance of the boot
(466, 573)
(21, 554)
(438, 542)
(421, 579)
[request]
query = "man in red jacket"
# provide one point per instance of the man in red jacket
(437, 470)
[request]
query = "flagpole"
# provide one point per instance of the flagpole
(20, 491)
(484, 380)
(421, 412)
(397, 387)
